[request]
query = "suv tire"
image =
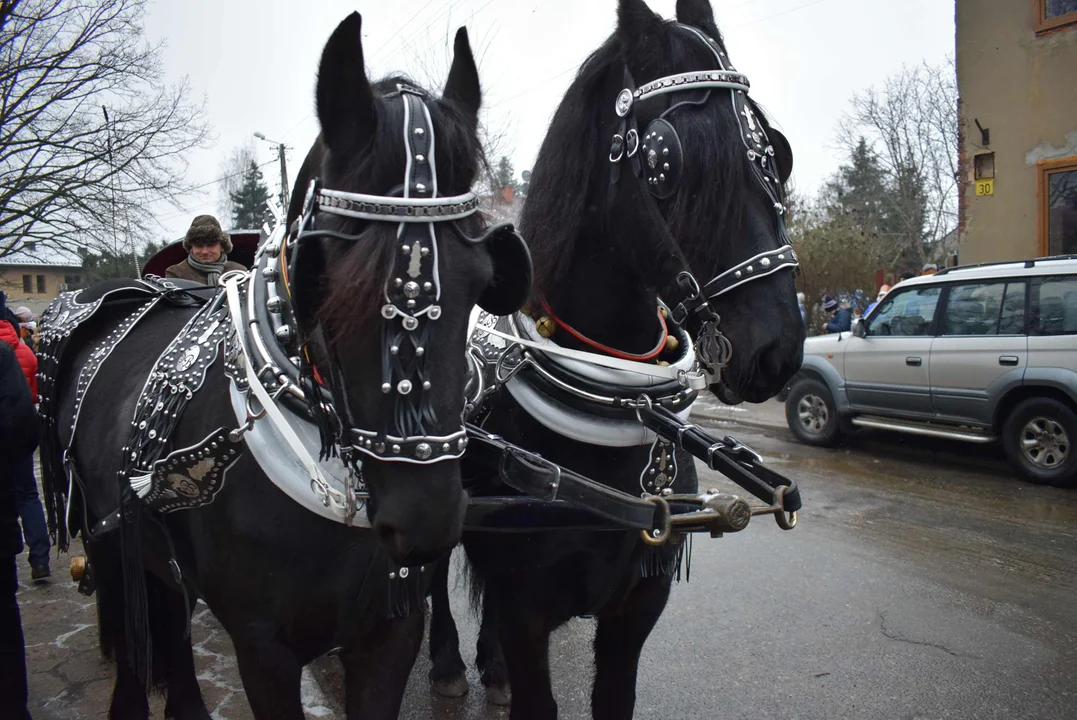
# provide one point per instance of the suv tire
(1038, 438)
(811, 415)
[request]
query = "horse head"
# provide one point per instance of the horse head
(388, 256)
(686, 176)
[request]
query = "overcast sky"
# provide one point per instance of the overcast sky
(254, 61)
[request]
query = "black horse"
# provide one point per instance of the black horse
(600, 237)
(287, 584)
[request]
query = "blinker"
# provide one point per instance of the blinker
(663, 158)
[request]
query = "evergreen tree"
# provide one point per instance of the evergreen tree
(505, 177)
(249, 199)
(858, 191)
(97, 266)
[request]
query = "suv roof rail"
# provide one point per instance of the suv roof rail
(1028, 263)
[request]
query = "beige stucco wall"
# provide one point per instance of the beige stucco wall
(1024, 89)
(11, 284)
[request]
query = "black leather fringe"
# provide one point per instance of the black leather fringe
(137, 611)
(666, 561)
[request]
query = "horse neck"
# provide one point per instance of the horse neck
(606, 299)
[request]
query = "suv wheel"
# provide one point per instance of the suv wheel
(1038, 437)
(811, 414)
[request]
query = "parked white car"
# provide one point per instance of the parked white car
(981, 353)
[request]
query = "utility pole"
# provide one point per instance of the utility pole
(112, 187)
(283, 170)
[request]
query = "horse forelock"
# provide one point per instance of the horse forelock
(353, 284)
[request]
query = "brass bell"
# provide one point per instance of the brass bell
(78, 567)
(672, 343)
(663, 363)
(546, 326)
(664, 310)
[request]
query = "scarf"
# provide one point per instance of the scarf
(212, 270)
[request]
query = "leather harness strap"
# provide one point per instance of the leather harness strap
(640, 357)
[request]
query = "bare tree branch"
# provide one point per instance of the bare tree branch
(911, 124)
(70, 180)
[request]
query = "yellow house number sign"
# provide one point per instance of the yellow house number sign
(985, 187)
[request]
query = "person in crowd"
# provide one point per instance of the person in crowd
(929, 269)
(22, 466)
(27, 326)
(207, 247)
(841, 315)
(803, 310)
(878, 299)
(18, 429)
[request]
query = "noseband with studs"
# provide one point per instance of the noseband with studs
(657, 160)
(412, 295)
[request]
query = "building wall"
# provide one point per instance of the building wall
(11, 283)
(1023, 88)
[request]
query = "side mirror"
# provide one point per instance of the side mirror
(859, 329)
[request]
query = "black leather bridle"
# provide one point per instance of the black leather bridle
(656, 159)
(411, 296)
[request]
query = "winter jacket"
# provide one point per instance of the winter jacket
(25, 356)
(842, 320)
(184, 271)
(18, 438)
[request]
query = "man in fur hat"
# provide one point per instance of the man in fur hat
(207, 247)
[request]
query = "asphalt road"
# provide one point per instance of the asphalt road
(923, 582)
(913, 588)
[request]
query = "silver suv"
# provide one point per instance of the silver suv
(980, 353)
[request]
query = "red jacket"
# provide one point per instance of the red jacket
(26, 357)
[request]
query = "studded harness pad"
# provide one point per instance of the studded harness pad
(177, 375)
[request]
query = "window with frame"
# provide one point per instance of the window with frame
(27, 283)
(1058, 206)
(41, 284)
(1054, 14)
(985, 309)
(905, 314)
(1054, 306)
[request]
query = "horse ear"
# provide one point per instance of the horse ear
(635, 22)
(345, 101)
(783, 153)
(463, 83)
(698, 14)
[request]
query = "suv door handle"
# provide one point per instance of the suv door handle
(913, 361)
(1008, 360)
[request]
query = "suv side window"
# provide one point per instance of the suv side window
(1054, 306)
(985, 309)
(907, 313)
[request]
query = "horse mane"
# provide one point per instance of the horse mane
(567, 193)
(557, 207)
(353, 287)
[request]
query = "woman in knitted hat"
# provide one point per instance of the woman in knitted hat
(207, 247)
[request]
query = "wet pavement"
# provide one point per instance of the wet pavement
(68, 678)
(923, 582)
